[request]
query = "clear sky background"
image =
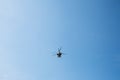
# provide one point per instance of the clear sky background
(31, 31)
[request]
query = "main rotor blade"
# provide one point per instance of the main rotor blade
(64, 53)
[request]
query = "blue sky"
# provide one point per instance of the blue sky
(31, 31)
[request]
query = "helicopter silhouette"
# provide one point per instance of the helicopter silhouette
(59, 54)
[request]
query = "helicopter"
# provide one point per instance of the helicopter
(59, 53)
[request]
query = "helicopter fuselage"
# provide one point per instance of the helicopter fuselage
(59, 55)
